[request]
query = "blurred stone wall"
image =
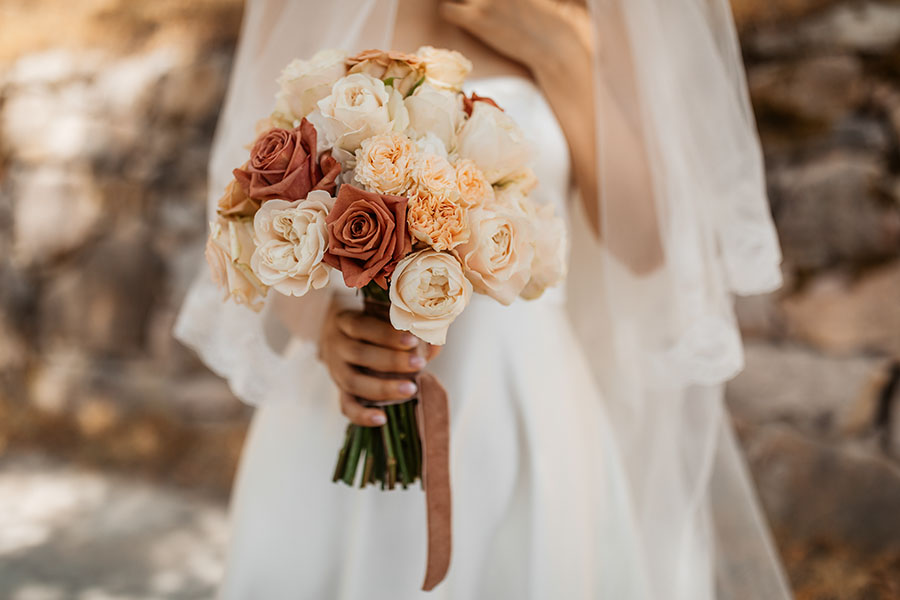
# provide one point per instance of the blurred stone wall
(107, 109)
(818, 406)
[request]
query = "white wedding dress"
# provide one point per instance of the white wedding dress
(539, 497)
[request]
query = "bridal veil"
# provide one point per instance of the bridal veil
(662, 341)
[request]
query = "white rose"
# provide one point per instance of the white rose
(497, 257)
(428, 291)
(444, 68)
(358, 107)
(434, 111)
(432, 144)
(292, 238)
(494, 142)
(550, 243)
(305, 82)
(228, 251)
(384, 163)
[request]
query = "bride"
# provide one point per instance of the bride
(591, 453)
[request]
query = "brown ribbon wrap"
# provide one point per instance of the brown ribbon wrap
(433, 417)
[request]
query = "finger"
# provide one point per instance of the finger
(375, 331)
(378, 358)
(432, 352)
(459, 14)
(372, 388)
(359, 414)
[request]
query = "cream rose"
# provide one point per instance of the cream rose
(432, 144)
(497, 258)
(384, 163)
(550, 243)
(444, 68)
(428, 291)
(434, 111)
(474, 188)
(522, 181)
(358, 107)
(292, 238)
(494, 142)
(304, 82)
(228, 252)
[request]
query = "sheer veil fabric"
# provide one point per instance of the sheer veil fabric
(662, 342)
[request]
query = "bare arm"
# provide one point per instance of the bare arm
(559, 54)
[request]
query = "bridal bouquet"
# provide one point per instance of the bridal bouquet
(378, 166)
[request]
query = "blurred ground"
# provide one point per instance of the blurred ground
(107, 109)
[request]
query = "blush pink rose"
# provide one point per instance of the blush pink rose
(283, 165)
(367, 235)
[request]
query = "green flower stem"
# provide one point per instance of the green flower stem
(342, 457)
(394, 422)
(414, 436)
(369, 463)
(391, 461)
(353, 456)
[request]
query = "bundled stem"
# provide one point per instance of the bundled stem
(389, 451)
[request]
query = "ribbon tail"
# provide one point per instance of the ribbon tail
(434, 423)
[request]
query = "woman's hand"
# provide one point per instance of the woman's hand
(351, 340)
(504, 24)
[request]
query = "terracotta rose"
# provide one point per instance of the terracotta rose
(469, 102)
(367, 235)
(283, 165)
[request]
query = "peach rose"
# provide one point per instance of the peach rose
(283, 164)
(444, 68)
(474, 188)
(435, 175)
(497, 258)
(384, 163)
(236, 203)
(428, 291)
(397, 69)
(228, 251)
(367, 235)
(291, 240)
(437, 220)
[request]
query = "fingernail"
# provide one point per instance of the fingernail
(410, 340)
(379, 419)
(407, 387)
(417, 362)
